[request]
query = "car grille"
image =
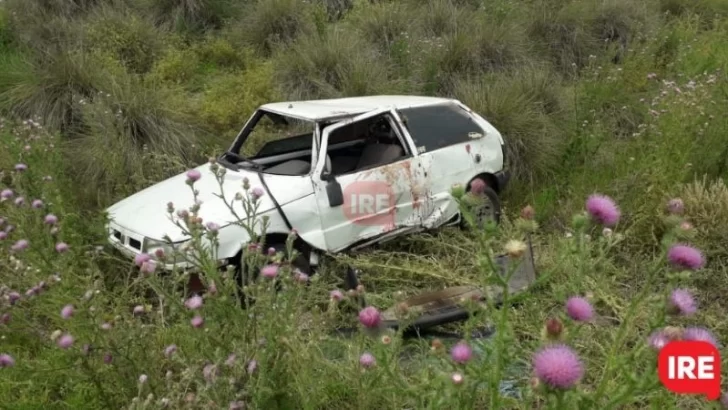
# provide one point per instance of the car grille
(127, 240)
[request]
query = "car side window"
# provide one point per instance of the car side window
(438, 126)
(365, 144)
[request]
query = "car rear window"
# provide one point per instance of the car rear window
(438, 126)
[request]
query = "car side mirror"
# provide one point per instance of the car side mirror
(333, 191)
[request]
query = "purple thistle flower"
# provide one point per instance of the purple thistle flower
(194, 303)
(21, 167)
(6, 360)
(579, 309)
(3, 235)
(300, 277)
(170, 350)
(197, 322)
(210, 372)
(682, 302)
(213, 227)
(108, 358)
(658, 339)
(269, 271)
(148, 267)
(6, 194)
(477, 187)
(685, 257)
(141, 258)
(675, 206)
(252, 365)
(558, 366)
(236, 405)
(370, 317)
(461, 353)
(65, 341)
(13, 297)
(61, 247)
(20, 245)
(271, 251)
(603, 210)
(19, 201)
(700, 334)
(230, 361)
(257, 193)
(367, 360)
(67, 311)
(193, 175)
(336, 295)
(37, 204)
(50, 219)
(5, 318)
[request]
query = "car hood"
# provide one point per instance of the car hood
(146, 211)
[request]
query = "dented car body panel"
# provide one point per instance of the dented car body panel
(357, 171)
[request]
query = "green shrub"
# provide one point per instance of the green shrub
(336, 9)
(440, 17)
(478, 45)
(59, 8)
(231, 98)
(570, 34)
(337, 64)
(126, 123)
(132, 39)
(40, 31)
(49, 87)
(219, 52)
(176, 66)
(271, 23)
(189, 16)
(706, 203)
(564, 37)
(707, 11)
(383, 24)
(525, 106)
(6, 34)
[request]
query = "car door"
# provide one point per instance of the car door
(363, 204)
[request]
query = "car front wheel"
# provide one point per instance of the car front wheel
(484, 206)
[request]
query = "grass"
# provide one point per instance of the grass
(101, 99)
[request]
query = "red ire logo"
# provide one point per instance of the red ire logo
(369, 203)
(690, 367)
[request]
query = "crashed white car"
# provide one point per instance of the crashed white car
(344, 173)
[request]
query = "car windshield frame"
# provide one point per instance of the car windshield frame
(234, 160)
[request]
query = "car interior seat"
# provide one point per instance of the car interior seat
(374, 154)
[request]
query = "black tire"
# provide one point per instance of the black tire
(491, 208)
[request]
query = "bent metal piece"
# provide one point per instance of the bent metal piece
(445, 306)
